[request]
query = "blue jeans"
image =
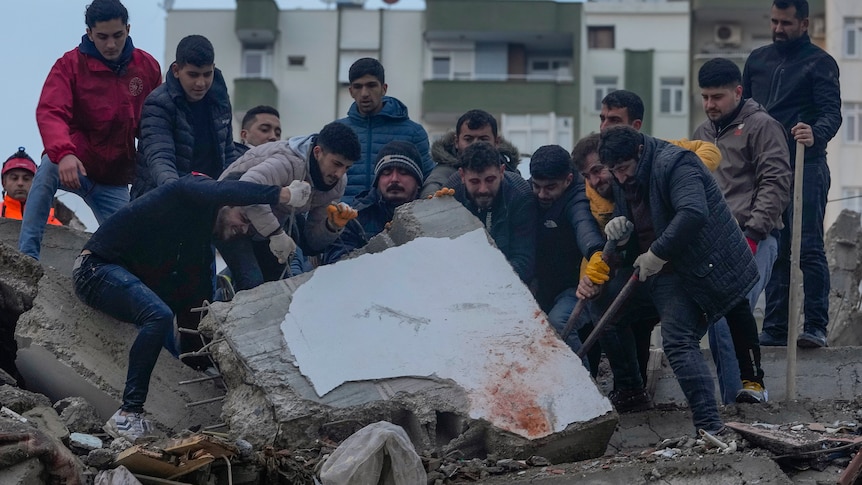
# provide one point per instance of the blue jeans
(564, 304)
(682, 327)
(812, 259)
(720, 340)
(118, 293)
(103, 199)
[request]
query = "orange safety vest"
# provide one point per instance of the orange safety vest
(13, 209)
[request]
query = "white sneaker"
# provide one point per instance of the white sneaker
(131, 426)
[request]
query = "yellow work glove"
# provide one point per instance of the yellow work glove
(442, 192)
(597, 270)
(340, 214)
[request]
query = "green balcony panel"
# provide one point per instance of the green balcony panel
(502, 16)
(511, 97)
(248, 93)
(256, 21)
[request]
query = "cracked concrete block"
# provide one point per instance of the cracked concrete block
(843, 243)
(48, 421)
(20, 400)
(60, 245)
(78, 415)
(437, 335)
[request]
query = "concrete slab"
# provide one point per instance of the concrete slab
(473, 367)
(60, 246)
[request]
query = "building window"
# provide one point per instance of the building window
(604, 85)
(851, 198)
(441, 67)
(600, 37)
(257, 63)
(672, 95)
(554, 69)
(853, 37)
(295, 61)
(852, 122)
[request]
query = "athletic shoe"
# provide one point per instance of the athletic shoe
(631, 400)
(752, 392)
(131, 426)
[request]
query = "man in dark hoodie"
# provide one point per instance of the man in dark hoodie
(377, 119)
(473, 126)
(88, 115)
(186, 122)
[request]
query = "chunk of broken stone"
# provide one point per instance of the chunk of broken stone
(78, 415)
(47, 420)
(85, 442)
(99, 458)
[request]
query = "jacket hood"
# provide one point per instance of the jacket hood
(392, 109)
(443, 152)
(302, 144)
(217, 93)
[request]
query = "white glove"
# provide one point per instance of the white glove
(619, 229)
(648, 264)
(281, 246)
(300, 192)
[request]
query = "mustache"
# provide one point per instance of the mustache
(394, 186)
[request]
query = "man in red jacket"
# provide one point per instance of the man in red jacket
(88, 116)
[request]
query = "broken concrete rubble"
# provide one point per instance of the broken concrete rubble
(843, 244)
(474, 368)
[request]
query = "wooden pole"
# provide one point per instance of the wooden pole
(795, 273)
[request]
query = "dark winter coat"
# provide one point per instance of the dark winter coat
(797, 83)
(446, 159)
(167, 136)
(374, 214)
(164, 237)
(391, 123)
(511, 221)
(695, 230)
(566, 231)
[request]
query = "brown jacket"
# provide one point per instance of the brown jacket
(754, 173)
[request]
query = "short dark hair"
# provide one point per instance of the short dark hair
(339, 139)
(719, 73)
(196, 50)
(479, 156)
(550, 162)
(621, 98)
(801, 7)
(475, 119)
(584, 148)
(365, 66)
(104, 11)
(619, 144)
(262, 109)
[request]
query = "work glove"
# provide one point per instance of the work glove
(597, 270)
(281, 246)
(619, 229)
(648, 264)
(340, 214)
(752, 244)
(442, 192)
(300, 192)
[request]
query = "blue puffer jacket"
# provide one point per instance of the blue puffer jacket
(167, 137)
(695, 230)
(374, 131)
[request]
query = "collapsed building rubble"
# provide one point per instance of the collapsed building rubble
(844, 255)
(474, 368)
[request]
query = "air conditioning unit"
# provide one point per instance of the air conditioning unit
(727, 35)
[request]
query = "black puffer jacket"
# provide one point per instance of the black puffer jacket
(511, 221)
(695, 231)
(565, 231)
(167, 137)
(797, 82)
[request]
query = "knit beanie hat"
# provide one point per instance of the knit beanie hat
(19, 160)
(399, 154)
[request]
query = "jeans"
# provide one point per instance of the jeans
(720, 340)
(682, 327)
(812, 259)
(564, 304)
(118, 293)
(103, 199)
